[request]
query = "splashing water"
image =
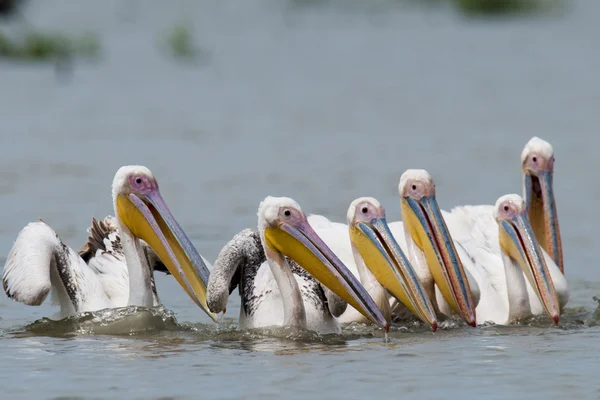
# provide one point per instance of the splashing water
(130, 320)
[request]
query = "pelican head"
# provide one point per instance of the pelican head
(427, 228)
(517, 241)
(370, 234)
(141, 209)
(537, 161)
(286, 231)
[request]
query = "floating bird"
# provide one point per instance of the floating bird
(503, 255)
(431, 250)
(537, 162)
(116, 256)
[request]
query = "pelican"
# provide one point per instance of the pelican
(537, 160)
(368, 248)
(40, 263)
(431, 248)
(286, 275)
(504, 256)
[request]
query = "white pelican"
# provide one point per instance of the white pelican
(280, 292)
(39, 262)
(368, 248)
(537, 163)
(431, 249)
(503, 255)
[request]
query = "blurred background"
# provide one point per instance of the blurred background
(319, 100)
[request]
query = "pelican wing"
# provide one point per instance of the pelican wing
(103, 253)
(475, 234)
(242, 252)
(39, 262)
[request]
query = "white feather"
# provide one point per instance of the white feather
(269, 307)
(111, 270)
(35, 264)
(107, 260)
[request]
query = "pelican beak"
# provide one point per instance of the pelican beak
(301, 243)
(148, 218)
(518, 241)
(539, 195)
(428, 230)
(391, 268)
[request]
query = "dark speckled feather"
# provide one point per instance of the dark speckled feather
(104, 237)
(246, 253)
(99, 232)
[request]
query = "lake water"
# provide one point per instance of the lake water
(322, 102)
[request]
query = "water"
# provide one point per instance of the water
(323, 103)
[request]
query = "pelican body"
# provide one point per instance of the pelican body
(286, 275)
(40, 263)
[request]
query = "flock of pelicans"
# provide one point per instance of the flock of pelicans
(481, 263)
